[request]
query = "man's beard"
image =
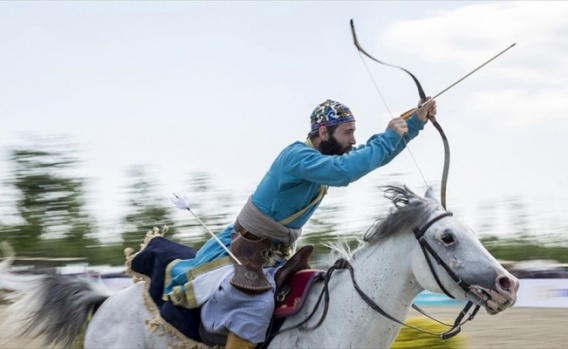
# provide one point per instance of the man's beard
(332, 147)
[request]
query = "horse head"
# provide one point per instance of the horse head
(447, 256)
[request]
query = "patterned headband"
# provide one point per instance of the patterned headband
(330, 113)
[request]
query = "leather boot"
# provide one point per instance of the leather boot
(298, 261)
(253, 253)
(236, 342)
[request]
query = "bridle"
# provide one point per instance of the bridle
(428, 251)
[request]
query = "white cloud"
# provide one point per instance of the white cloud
(469, 35)
(520, 107)
(464, 33)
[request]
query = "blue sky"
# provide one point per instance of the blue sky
(222, 87)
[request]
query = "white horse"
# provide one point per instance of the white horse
(418, 246)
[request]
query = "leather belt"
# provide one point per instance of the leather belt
(285, 250)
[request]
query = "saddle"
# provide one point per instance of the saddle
(291, 298)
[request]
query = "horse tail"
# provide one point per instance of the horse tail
(50, 308)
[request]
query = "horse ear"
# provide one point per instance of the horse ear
(430, 194)
(411, 196)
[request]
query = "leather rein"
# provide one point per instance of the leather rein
(342, 263)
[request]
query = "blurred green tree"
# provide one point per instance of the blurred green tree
(323, 230)
(146, 209)
(51, 219)
(525, 247)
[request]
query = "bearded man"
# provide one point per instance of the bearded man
(237, 301)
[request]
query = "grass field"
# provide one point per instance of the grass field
(517, 328)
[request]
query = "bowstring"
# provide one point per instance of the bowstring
(378, 89)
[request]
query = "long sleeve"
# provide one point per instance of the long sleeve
(310, 165)
(296, 175)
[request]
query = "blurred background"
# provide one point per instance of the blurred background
(49, 214)
(107, 108)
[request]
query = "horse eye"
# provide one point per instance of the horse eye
(447, 237)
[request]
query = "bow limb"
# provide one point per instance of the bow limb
(416, 82)
(446, 170)
(406, 115)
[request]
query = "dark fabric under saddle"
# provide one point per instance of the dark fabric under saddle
(159, 252)
(152, 262)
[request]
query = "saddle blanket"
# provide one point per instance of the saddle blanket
(159, 252)
(152, 262)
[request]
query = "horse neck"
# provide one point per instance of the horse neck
(386, 267)
(384, 272)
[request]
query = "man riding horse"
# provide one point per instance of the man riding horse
(264, 235)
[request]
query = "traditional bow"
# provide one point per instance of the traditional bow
(407, 114)
(422, 95)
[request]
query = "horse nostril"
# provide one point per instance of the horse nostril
(504, 282)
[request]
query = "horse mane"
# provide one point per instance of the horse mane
(409, 210)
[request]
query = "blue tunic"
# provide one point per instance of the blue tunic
(297, 173)
(290, 184)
